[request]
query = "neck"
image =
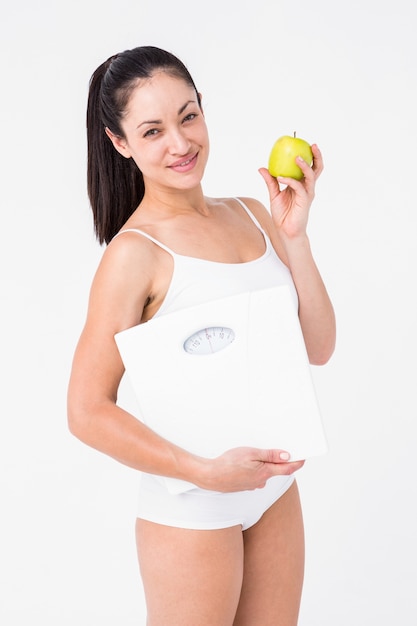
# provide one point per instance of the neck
(174, 201)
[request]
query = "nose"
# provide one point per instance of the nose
(178, 142)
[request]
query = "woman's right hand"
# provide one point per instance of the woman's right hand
(242, 469)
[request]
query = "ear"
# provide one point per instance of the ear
(118, 143)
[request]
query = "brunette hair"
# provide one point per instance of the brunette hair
(114, 183)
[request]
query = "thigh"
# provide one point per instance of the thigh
(274, 565)
(190, 576)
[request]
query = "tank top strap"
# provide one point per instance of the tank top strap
(141, 232)
(171, 252)
(251, 215)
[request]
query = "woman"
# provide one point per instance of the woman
(231, 550)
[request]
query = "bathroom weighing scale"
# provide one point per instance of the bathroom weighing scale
(226, 373)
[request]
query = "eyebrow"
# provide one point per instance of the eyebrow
(180, 110)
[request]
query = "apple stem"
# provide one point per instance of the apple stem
(295, 132)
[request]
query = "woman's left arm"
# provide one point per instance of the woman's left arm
(289, 210)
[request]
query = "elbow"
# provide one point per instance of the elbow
(321, 355)
(86, 419)
(320, 339)
(320, 359)
(78, 420)
(75, 422)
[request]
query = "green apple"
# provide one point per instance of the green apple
(283, 154)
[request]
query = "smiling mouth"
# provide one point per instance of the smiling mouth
(185, 162)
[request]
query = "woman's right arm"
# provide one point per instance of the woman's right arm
(120, 289)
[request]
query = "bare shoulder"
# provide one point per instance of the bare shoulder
(127, 257)
(129, 251)
(255, 206)
(259, 211)
(264, 218)
(124, 281)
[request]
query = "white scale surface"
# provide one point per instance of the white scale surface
(226, 373)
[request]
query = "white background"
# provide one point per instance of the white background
(341, 74)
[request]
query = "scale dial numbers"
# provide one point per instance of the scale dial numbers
(209, 340)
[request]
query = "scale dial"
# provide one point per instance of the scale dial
(209, 340)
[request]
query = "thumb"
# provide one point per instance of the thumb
(274, 456)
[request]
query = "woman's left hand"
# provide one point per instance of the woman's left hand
(290, 206)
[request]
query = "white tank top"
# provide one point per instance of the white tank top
(195, 280)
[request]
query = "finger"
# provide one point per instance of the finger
(292, 182)
(285, 469)
(318, 164)
(279, 461)
(271, 183)
(272, 456)
(310, 176)
(307, 170)
(298, 187)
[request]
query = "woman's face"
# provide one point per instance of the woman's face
(165, 133)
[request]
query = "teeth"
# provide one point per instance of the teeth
(185, 162)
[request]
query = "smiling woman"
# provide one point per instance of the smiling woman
(115, 183)
(172, 137)
(172, 247)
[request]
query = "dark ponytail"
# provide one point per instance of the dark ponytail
(114, 183)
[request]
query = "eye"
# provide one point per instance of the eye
(190, 117)
(151, 132)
